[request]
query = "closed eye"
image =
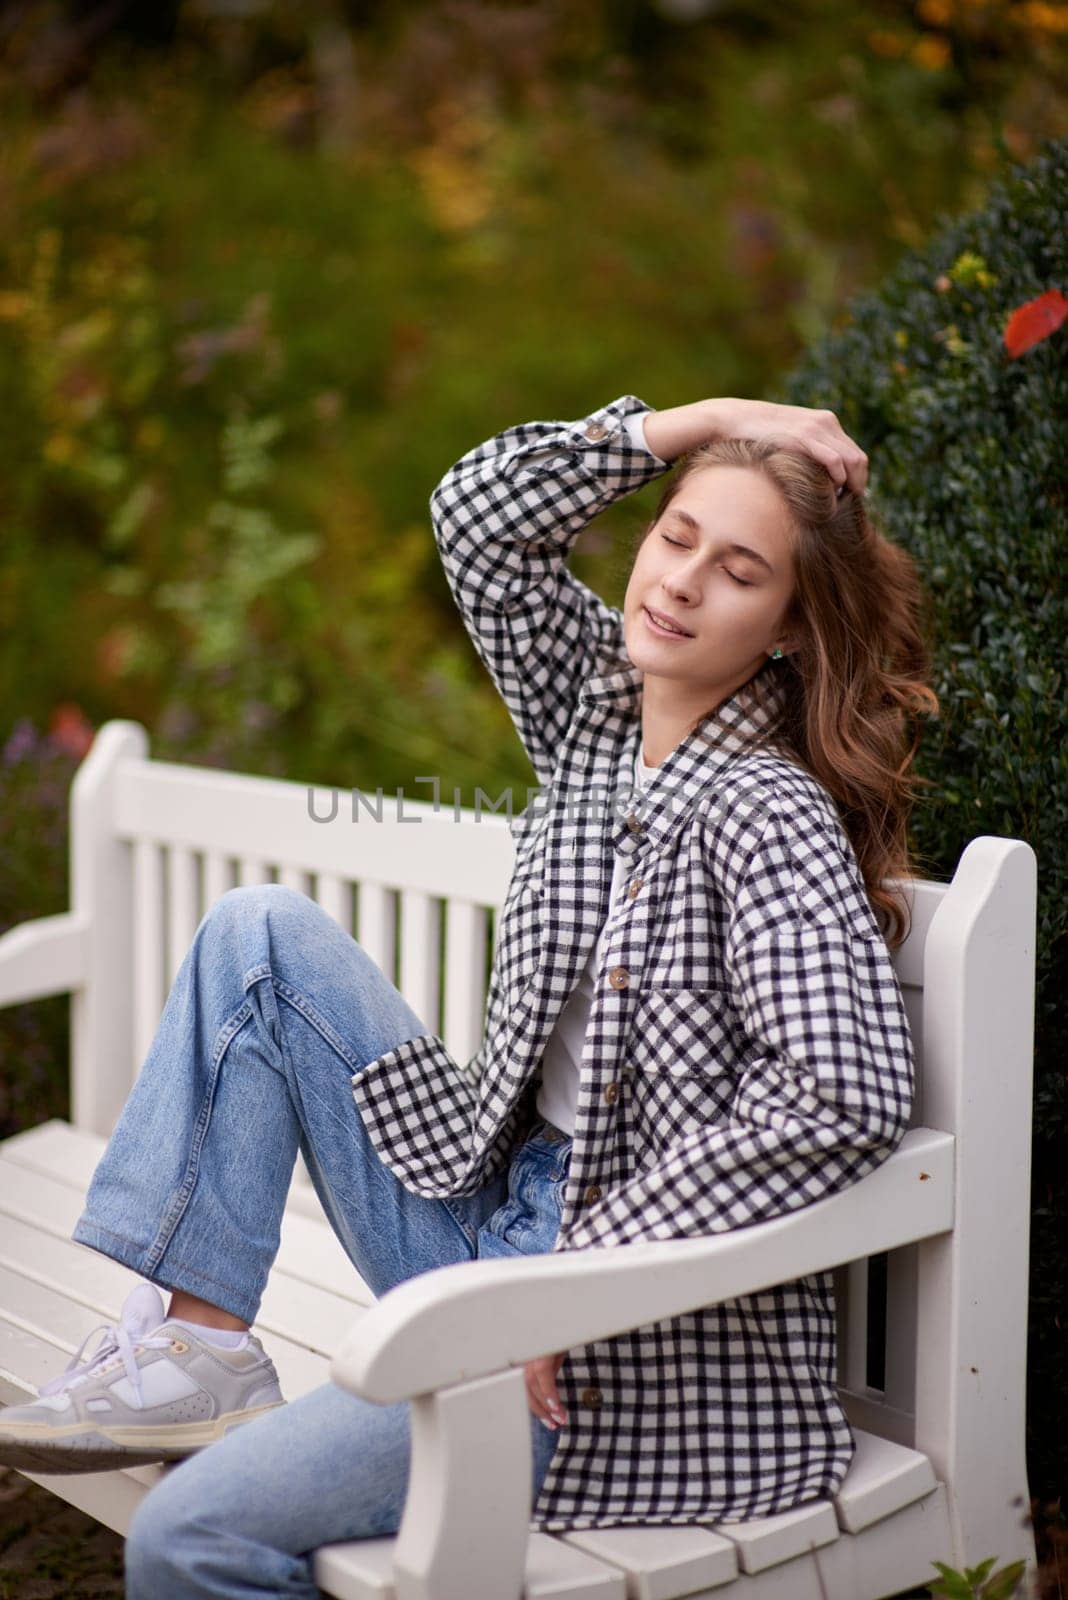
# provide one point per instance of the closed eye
(745, 584)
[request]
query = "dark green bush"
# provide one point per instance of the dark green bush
(969, 467)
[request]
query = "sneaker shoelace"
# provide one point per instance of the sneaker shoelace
(116, 1347)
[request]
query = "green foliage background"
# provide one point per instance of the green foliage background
(265, 276)
(970, 469)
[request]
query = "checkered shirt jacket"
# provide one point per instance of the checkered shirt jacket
(747, 1050)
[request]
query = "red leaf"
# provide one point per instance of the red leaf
(1035, 321)
(70, 730)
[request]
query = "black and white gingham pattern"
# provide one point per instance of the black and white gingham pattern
(747, 1024)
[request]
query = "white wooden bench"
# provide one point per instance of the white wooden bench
(933, 1380)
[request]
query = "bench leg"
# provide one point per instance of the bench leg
(467, 1516)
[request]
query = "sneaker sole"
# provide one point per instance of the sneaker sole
(94, 1449)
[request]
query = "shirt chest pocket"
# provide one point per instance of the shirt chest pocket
(683, 1033)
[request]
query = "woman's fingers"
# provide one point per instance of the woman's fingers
(847, 465)
(827, 441)
(678, 429)
(817, 431)
(542, 1393)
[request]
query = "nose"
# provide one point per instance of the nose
(681, 584)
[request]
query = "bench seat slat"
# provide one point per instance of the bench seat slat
(883, 1478)
(662, 1561)
(362, 1569)
(668, 1561)
(768, 1541)
(557, 1570)
(356, 1569)
(309, 1251)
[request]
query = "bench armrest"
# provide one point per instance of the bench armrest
(476, 1318)
(47, 955)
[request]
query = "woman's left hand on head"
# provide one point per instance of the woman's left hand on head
(672, 432)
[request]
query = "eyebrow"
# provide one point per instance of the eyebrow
(734, 547)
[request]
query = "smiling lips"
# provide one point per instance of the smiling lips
(665, 626)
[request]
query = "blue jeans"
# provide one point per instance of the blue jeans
(273, 1008)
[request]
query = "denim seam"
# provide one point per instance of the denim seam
(469, 1233)
(120, 1238)
(300, 1003)
(230, 1028)
(233, 1025)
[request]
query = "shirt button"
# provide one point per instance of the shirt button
(635, 823)
(619, 977)
(592, 1397)
(596, 430)
(592, 1194)
(633, 886)
(611, 1094)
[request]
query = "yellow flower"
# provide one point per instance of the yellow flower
(1040, 16)
(60, 447)
(971, 269)
(936, 13)
(454, 190)
(932, 52)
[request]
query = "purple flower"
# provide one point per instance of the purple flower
(21, 743)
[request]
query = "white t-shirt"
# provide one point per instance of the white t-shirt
(558, 1092)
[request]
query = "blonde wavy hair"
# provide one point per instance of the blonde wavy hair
(857, 680)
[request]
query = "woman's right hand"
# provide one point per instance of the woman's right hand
(672, 432)
(543, 1396)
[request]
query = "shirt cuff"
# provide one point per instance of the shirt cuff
(633, 422)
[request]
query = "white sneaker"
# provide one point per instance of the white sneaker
(152, 1391)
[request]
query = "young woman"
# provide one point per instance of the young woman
(693, 1023)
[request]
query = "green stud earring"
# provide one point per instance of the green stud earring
(775, 654)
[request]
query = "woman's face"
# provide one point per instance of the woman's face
(730, 601)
